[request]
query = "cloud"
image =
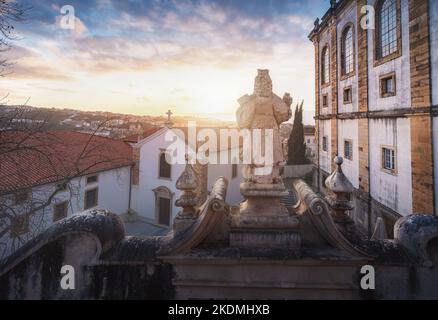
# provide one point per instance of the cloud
(155, 36)
(79, 28)
(143, 35)
(34, 72)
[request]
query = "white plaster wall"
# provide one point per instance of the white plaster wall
(349, 15)
(216, 171)
(143, 196)
(328, 91)
(393, 191)
(310, 143)
(349, 129)
(114, 190)
(325, 157)
(113, 195)
(225, 170)
(433, 11)
(401, 66)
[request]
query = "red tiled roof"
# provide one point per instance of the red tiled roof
(150, 131)
(134, 138)
(33, 159)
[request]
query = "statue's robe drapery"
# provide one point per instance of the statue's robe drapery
(256, 112)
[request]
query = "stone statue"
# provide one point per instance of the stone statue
(262, 212)
(265, 110)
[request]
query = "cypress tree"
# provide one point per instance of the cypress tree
(296, 144)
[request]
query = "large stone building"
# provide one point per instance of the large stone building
(376, 104)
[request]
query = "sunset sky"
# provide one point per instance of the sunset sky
(144, 57)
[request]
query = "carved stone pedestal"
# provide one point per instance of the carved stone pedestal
(262, 220)
(262, 238)
(182, 223)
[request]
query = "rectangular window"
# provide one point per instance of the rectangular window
(19, 225)
(165, 169)
(21, 197)
(91, 198)
(389, 159)
(324, 144)
(325, 101)
(60, 211)
(92, 179)
(387, 86)
(348, 95)
(348, 149)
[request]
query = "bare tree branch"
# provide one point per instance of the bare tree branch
(26, 143)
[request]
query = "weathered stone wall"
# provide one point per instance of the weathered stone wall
(201, 262)
(421, 125)
(362, 55)
(39, 276)
(130, 270)
(334, 87)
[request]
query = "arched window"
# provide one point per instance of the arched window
(165, 168)
(325, 66)
(388, 28)
(347, 50)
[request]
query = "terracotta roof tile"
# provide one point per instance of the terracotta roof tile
(134, 138)
(45, 157)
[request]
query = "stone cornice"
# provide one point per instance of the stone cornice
(397, 113)
(327, 18)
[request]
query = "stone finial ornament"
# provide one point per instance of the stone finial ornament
(187, 183)
(340, 190)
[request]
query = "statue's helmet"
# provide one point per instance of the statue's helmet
(263, 84)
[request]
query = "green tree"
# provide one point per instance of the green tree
(296, 144)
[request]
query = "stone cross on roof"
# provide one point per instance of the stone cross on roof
(169, 122)
(169, 114)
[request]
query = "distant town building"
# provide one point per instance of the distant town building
(153, 180)
(376, 98)
(310, 140)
